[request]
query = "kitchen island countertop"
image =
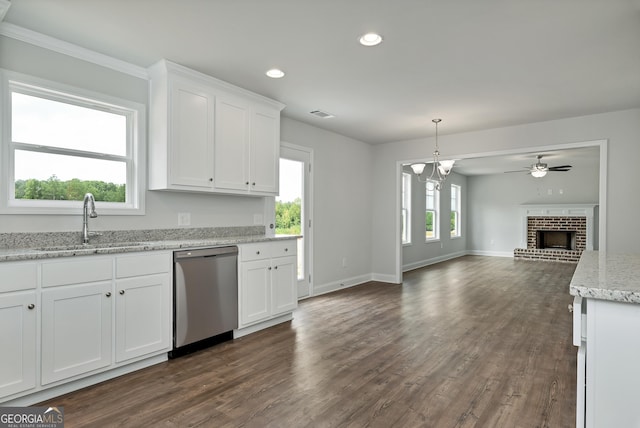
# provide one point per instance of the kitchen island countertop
(607, 276)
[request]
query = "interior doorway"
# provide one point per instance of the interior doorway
(293, 208)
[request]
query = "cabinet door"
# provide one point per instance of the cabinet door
(255, 300)
(191, 135)
(265, 151)
(143, 322)
(76, 330)
(231, 152)
(284, 290)
(18, 338)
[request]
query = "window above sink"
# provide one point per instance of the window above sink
(62, 142)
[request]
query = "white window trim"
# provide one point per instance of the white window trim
(437, 211)
(458, 210)
(136, 169)
(408, 179)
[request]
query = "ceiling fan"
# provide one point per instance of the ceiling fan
(540, 169)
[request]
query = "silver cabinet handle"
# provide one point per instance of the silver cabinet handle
(31, 306)
(108, 294)
(276, 267)
(121, 292)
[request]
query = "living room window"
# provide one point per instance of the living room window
(432, 231)
(406, 208)
(63, 142)
(455, 210)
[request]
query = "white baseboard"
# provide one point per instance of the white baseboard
(434, 260)
(340, 284)
(490, 253)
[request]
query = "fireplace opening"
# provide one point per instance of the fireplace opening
(556, 239)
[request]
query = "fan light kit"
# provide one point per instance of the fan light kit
(540, 169)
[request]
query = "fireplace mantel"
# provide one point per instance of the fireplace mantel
(559, 210)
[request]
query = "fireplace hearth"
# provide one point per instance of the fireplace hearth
(556, 233)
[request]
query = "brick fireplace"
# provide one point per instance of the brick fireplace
(556, 233)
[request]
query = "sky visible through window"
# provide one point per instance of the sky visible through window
(290, 180)
(50, 123)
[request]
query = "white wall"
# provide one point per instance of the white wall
(494, 204)
(621, 129)
(342, 193)
(341, 217)
(161, 207)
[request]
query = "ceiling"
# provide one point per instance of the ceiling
(475, 64)
(580, 158)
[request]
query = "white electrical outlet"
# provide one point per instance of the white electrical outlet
(184, 219)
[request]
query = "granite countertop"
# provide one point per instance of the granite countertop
(43, 246)
(607, 276)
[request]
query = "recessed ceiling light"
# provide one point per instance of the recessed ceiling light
(275, 73)
(370, 39)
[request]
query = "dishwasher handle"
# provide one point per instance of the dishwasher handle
(204, 252)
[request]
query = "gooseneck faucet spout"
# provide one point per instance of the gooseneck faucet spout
(89, 202)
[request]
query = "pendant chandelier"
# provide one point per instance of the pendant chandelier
(440, 169)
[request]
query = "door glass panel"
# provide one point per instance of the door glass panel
(289, 211)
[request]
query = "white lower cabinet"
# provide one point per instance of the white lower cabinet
(143, 306)
(267, 281)
(255, 280)
(98, 315)
(76, 330)
(18, 335)
(608, 369)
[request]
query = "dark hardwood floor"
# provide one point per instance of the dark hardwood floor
(472, 342)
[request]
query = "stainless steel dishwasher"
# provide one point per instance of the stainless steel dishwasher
(205, 297)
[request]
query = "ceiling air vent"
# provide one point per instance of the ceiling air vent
(321, 114)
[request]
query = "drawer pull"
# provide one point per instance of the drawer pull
(108, 294)
(257, 252)
(31, 306)
(121, 292)
(286, 249)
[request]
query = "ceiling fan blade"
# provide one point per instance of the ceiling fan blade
(558, 170)
(559, 167)
(520, 170)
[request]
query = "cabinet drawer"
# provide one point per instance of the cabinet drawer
(284, 248)
(145, 264)
(18, 276)
(257, 251)
(77, 272)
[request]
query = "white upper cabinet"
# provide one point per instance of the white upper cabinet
(209, 136)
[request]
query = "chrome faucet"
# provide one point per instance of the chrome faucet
(88, 202)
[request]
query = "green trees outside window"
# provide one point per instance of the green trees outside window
(71, 190)
(289, 217)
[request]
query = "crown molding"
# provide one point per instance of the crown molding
(51, 43)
